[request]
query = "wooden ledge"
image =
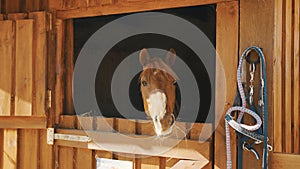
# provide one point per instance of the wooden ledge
(24, 122)
(132, 144)
(122, 7)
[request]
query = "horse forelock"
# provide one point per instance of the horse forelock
(158, 63)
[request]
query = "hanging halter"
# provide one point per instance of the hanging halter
(258, 132)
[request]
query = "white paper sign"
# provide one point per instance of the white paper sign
(104, 163)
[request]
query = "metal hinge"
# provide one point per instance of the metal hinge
(49, 17)
(51, 136)
(49, 99)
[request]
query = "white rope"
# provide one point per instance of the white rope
(242, 109)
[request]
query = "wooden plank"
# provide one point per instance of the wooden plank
(46, 160)
(100, 2)
(10, 148)
(23, 98)
(51, 75)
(1, 146)
(200, 131)
(66, 154)
(84, 157)
(16, 16)
(296, 108)
(28, 149)
(277, 79)
(145, 127)
(6, 57)
(257, 28)
(25, 122)
(150, 162)
(104, 124)
(1, 16)
(39, 62)
(55, 5)
(189, 164)
(227, 49)
(11, 6)
(85, 123)
(288, 77)
(130, 6)
(59, 67)
(114, 142)
(32, 5)
(279, 160)
(67, 122)
(170, 162)
(69, 61)
(125, 126)
(66, 157)
(195, 133)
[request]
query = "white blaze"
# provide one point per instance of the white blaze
(157, 109)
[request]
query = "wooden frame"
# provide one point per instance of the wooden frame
(227, 13)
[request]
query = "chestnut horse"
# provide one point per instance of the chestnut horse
(157, 84)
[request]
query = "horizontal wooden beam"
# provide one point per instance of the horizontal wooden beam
(281, 160)
(24, 122)
(189, 164)
(139, 144)
(121, 7)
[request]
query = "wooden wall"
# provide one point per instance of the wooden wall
(18, 6)
(270, 24)
(23, 54)
(286, 85)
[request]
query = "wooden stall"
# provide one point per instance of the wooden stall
(36, 73)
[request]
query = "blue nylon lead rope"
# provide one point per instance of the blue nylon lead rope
(257, 132)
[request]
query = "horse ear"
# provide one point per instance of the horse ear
(144, 57)
(171, 57)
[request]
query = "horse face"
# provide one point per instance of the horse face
(158, 91)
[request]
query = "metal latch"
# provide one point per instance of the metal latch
(51, 136)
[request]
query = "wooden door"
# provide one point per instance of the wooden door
(23, 65)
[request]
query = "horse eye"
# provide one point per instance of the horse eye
(144, 83)
(175, 82)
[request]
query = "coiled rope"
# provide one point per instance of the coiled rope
(248, 130)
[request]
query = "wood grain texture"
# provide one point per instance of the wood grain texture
(84, 157)
(124, 6)
(277, 81)
(1, 147)
(39, 62)
(17, 122)
(296, 81)
(10, 148)
(257, 28)
(69, 61)
(66, 155)
(288, 76)
(46, 160)
(28, 149)
(24, 84)
(189, 149)
(59, 73)
(281, 161)
(6, 57)
(227, 49)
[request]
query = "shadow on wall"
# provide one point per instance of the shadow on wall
(204, 17)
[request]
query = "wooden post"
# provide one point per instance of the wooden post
(227, 50)
(257, 28)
